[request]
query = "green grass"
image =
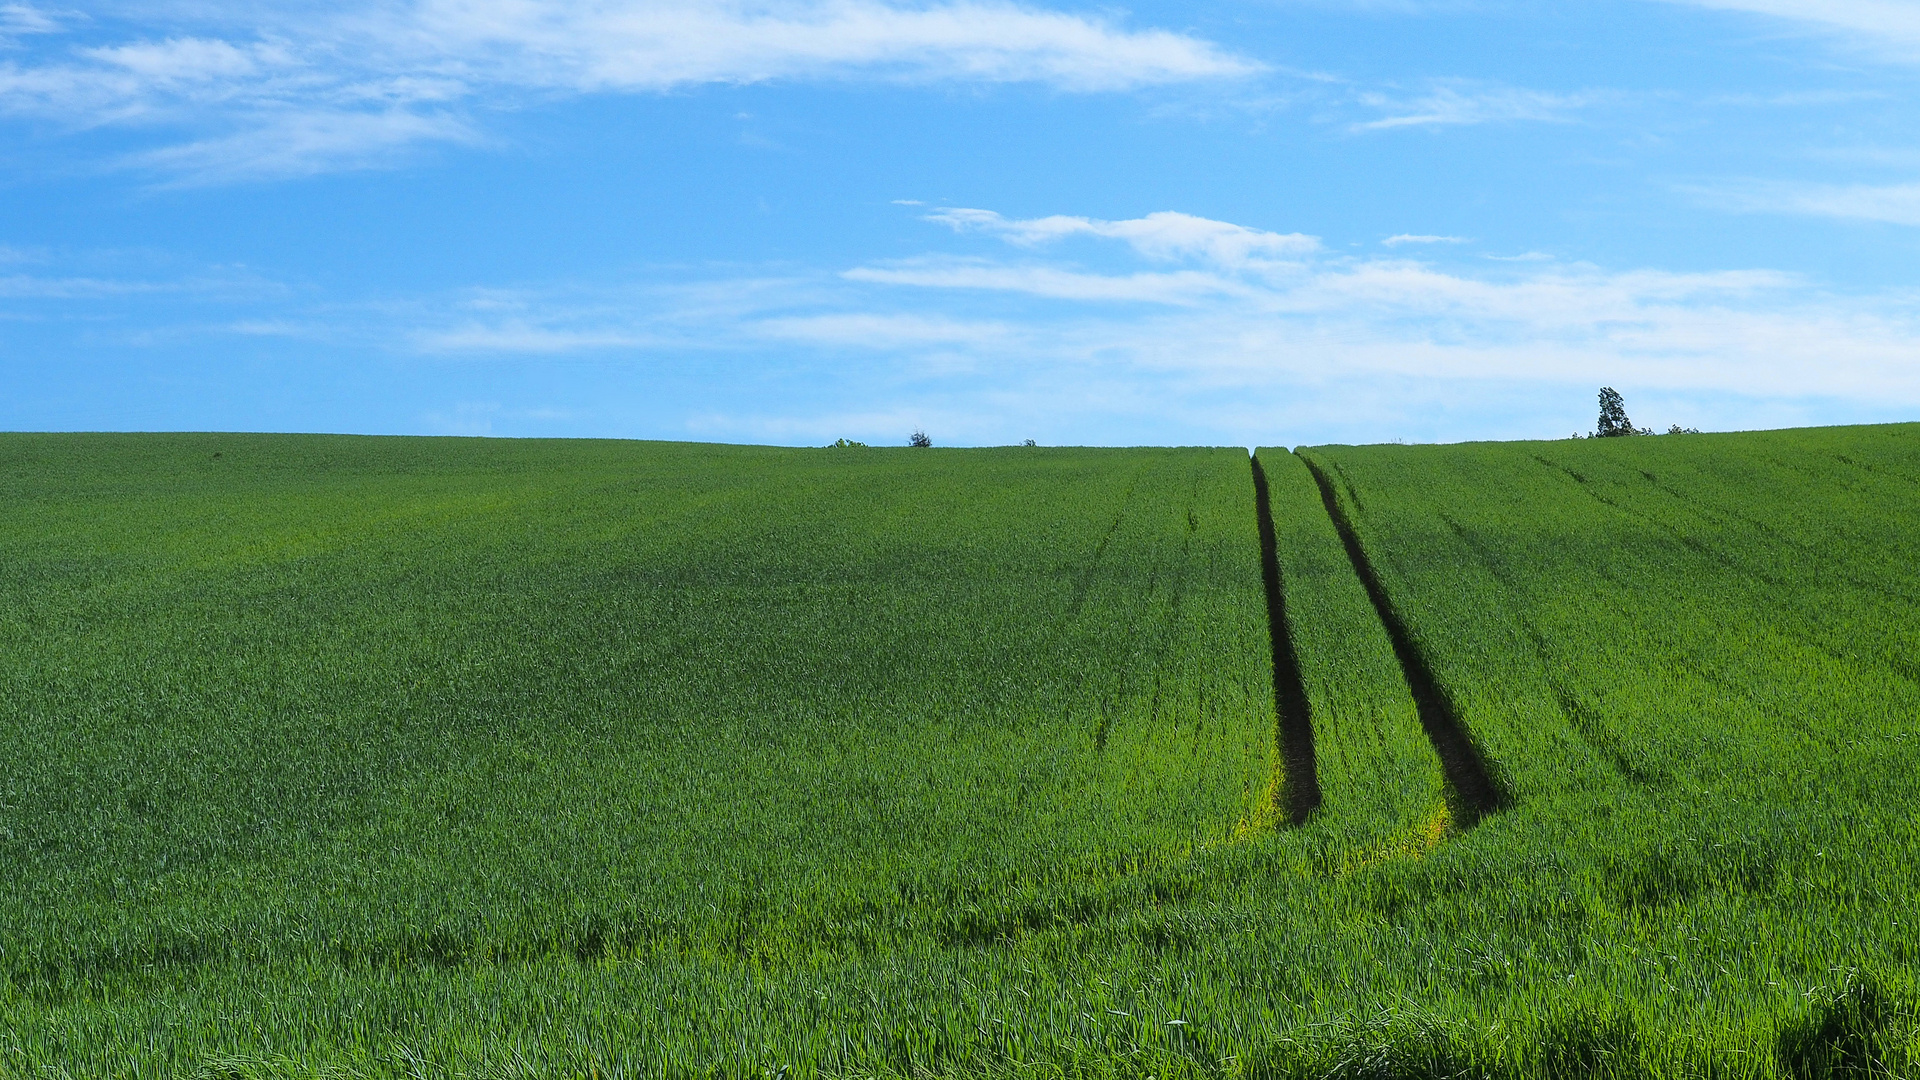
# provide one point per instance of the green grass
(1692, 659)
(1380, 779)
(333, 756)
(386, 707)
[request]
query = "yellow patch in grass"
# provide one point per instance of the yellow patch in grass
(1411, 844)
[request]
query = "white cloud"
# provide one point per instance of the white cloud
(1234, 325)
(1897, 204)
(1894, 23)
(299, 143)
(1334, 346)
(636, 44)
(519, 336)
(20, 19)
(1462, 103)
(1797, 98)
(267, 328)
(1556, 297)
(178, 60)
(210, 284)
(1179, 287)
(882, 331)
(271, 92)
(1741, 332)
(1163, 235)
(1418, 238)
(23, 286)
(1197, 345)
(1554, 301)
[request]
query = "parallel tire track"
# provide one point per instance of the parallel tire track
(1295, 729)
(1472, 788)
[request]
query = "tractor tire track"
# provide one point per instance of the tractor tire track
(1294, 728)
(1472, 790)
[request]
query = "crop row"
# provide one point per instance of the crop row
(396, 757)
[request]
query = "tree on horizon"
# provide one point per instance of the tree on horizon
(1613, 416)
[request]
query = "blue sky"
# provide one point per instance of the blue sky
(786, 221)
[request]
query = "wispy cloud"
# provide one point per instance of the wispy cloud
(1896, 204)
(521, 336)
(24, 287)
(301, 142)
(1215, 346)
(656, 45)
(1418, 238)
(1231, 324)
(1457, 103)
(1185, 287)
(1748, 332)
(870, 330)
(206, 285)
(1163, 235)
(19, 20)
(266, 93)
(1892, 25)
(1793, 99)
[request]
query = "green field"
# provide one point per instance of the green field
(347, 756)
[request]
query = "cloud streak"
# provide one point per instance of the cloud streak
(18, 20)
(1419, 238)
(274, 94)
(1232, 323)
(1181, 288)
(1458, 104)
(641, 45)
(1401, 333)
(1893, 25)
(1164, 235)
(1163, 341)
(1894, 204)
